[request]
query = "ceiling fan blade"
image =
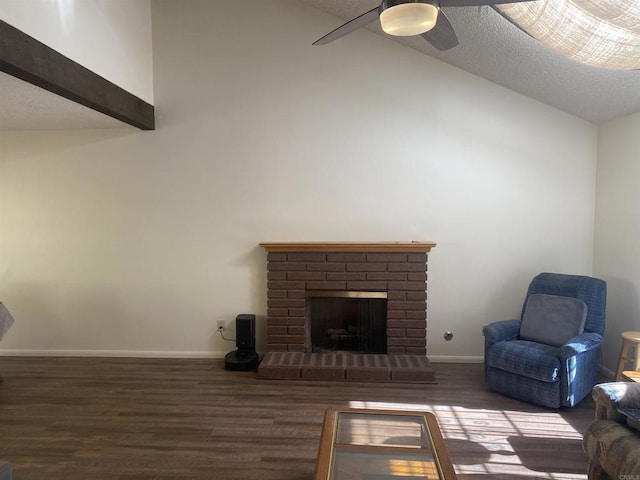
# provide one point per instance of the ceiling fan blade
(476, 3)
(351, 26)
(442, 36)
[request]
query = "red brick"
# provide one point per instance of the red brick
(366, 267)
(416, 295)
(333, 276)
(326, 285)
(347, 257)
(287, 266)
(396, 332)
(285, 303)
(276, 275)
(387, 276)
(406, 342)
(415, 332)
(287, 339)
(396, 314)
(277, 312)
(328, 360)
(396, 350)
(329, 374)
(285, 285)
(326, 267)
(296, 293)
(411, 368)
(306, 257)
(276, 330)
(408, 305)
(299, 321)
(276, 294)
(276, 257)
(415, 350)
(386, 257)
(306, 275)
(417, 276)
(406, 267)
(407, 286)
(402, 274)
(295, 330)
(316, 366)
(368, 368)
(397, 295)
(406, 324)
(365, 286)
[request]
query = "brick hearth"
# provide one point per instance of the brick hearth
(399, 269)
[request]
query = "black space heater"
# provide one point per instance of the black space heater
(245, 357)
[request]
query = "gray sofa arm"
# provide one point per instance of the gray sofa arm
(610, 396)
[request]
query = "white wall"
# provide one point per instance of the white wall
(123, 242)
(617, 232)
(112, 38)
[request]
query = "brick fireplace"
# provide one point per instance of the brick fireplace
(298, 272)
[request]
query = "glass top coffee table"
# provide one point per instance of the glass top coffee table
(358, 444)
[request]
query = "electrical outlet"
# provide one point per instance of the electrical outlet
(220, 324)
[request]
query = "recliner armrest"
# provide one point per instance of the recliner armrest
(584, 342)
(500, 331)
(609, 396)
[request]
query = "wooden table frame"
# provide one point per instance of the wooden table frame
(630, 376)
(327, 448)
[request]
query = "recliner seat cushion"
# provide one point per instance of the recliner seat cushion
(552, 319)
(529, 359)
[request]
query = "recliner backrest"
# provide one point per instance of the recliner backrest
(591, 291)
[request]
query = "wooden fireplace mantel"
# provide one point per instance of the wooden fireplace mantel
(386, 247)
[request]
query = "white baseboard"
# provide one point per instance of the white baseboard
(216, 355)
(110, 353)
(188, 354)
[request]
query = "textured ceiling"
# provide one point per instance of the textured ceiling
(24, 106)
(493, 48)
(490, 47)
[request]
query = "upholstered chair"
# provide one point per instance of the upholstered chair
(550, 356)
(612, 441)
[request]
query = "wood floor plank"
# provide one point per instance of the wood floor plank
(139, 419)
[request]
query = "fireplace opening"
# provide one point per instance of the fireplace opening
(346, 321)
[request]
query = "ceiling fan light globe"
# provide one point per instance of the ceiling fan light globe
(406, 19)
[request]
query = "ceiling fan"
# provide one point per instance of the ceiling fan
(412, 17)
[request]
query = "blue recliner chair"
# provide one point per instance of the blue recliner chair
(551, 356)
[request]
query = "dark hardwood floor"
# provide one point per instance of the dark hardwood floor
(126, 419)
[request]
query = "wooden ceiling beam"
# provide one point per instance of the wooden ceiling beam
(26, 58)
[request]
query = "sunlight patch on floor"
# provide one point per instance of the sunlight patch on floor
(494, 442)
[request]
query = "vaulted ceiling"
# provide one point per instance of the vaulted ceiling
(490, 47)
(493, 48)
